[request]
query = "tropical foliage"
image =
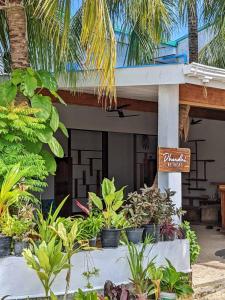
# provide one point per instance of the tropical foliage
(11, 189)
(28, 121)
(111, 199)
(175, 282)
(58, 39)
(48, 260)
(192, 237)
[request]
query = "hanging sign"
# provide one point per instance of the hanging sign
(174, 159)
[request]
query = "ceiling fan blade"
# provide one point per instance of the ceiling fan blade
(122, 106)
(127, 116)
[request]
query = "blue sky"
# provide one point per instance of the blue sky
(177, 32)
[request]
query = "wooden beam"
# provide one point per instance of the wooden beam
(204, 113)
(201, 96)
(85, 99)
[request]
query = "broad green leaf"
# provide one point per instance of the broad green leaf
(45, 135)
(108, 187)
(117, 205)
(28, 85)
(33, 147)
(53, 296)
(43, 259)
(55, 147)
(56, 95)
(43, 276)
(47, 79)
(109, 199)
(96, 200)
(50, 162)
(54, 122)
(44, 104)
(8, 93)
(119, 194)
(62, 232)
(63, 129)
(17, 76)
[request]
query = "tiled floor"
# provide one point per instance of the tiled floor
(209, 272)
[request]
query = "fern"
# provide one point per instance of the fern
(17, 127)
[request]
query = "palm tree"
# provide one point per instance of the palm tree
(189, 15)
(188, 12)
(46, 34)
(214, 15)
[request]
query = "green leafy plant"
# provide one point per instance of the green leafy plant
(111, 199)
(175, 282)
(17, 228)
(155, 274)
(48, 260)
(192, 237)
(150, 206)
(11, 191)
(44, 232)
(139, 269)
(89, 274)
(119, 221)
(68, 239)
(91, 227)
(92, 295)
(27, 121)
(135, 210)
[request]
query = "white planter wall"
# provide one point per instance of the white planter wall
(19, 281)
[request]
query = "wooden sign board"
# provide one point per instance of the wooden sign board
(174, 160)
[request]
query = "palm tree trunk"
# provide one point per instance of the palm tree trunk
(17, 25)
(193, 31)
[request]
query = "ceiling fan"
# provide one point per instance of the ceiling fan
(195, 122)
(120, 112)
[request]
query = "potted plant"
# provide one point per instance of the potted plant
(168, 231)
(161, 208)
(20, 230)
(139, 270)
(135, 212)
(5, 235)
(174, 284)
(109, 205)
(9, 195)
(91, 226)
(155, 274)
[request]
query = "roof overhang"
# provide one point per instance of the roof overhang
(155, 75)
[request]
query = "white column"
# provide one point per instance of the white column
(168, 136)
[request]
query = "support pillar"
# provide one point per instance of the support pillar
(168, 136)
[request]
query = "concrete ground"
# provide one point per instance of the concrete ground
(209, 271)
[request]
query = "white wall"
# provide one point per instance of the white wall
(204, 37)
(84, 117)
(120, 146)
(213, 148)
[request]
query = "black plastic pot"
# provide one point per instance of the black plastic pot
(152, 230)
(92, 242)
(110, 238)
(134, 235)
(5, 245)
(19, 246)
